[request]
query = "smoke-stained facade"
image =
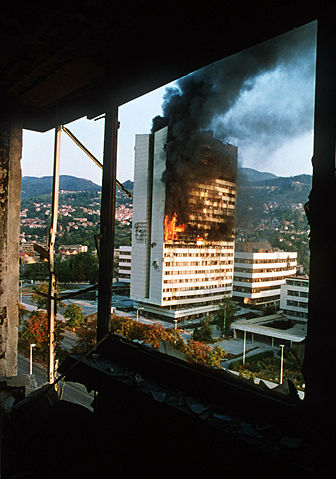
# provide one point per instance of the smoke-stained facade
(183, 226)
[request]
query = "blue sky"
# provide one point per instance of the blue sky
(271, 122)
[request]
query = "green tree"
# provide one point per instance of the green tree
(203, 333)
(34, 271)
(215, 356)
(42, 301)
(75, 315)
(224, 316)
(80, 267)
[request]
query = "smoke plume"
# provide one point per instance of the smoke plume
(218, 98)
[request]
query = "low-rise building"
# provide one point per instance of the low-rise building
(259, 272)
(273, 330)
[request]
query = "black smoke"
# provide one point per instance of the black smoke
(204, 99)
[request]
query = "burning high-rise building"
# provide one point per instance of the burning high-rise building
(183, 226)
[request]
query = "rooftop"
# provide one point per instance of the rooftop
(263, 325)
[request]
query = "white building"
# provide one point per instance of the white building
(294, 298)
(177, 272)
(259, 272)
(124, 254)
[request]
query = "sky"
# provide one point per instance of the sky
(270, 120)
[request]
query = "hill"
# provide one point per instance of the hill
(248, 175)
(32, 186)
(281, 190)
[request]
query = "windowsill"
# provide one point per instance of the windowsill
(213, 397)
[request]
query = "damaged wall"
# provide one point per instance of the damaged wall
(10, 189)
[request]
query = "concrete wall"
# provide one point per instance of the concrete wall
(141, 218)
(10, 189)
(158, 214)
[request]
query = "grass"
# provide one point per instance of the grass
(268, 368)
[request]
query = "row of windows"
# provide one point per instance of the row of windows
(219, 204)
(199, 255)
(229, 246)
(199, 280)
(265, 261)
(195, 271)
(214, 189)
(192, 303)
(206, 215)
(294, 282)
(242, 289)
(205, 295)
(262, 270)
(212, 288)
(297, 304)
(301, 294)
(296, 314)
(242, 279)
(198, 263)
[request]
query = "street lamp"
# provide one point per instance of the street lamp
(281, 365)
(31, 346)
(244, 353)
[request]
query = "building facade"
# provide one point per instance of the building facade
(259, 272)
(181, 270)
(294, 298)
(124, 263)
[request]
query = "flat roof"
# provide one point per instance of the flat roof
(297, 333)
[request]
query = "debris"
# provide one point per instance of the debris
(159, 396)
(248, 430)
(291, 442)
(222, 417)
(197, 408)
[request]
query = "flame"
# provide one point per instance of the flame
(171, 228)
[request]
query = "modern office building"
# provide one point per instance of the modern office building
(259, 272)
(124, 263)
(294, 298)
(182, 269)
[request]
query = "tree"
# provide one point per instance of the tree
(42, 301)
(225, 316)
(75, 315)
(204, 333)
(35, 330)
(34, 271)
(80, 267)
(215, 356)
(197, 352)
(87, 336)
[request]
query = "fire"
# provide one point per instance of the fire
(171, 228)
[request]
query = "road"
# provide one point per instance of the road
(72, 392)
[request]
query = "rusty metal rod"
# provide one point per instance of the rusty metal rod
(93, 158)
(107, 222)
